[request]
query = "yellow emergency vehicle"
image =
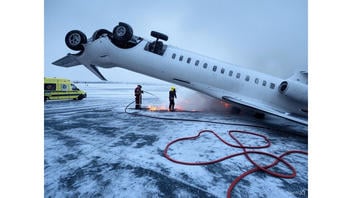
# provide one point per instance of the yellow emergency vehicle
(61, 89)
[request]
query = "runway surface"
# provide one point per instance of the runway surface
(93, 148)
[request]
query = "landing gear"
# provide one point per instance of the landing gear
(75, 40)
(102, 32)
(122, 34)
(157, 46)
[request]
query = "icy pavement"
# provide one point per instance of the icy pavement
(94, 149)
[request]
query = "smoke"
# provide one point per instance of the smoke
(200, 102)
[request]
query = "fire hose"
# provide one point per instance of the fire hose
(239, 144)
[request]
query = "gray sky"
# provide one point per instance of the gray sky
(270, 36)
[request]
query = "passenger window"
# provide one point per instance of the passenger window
(230, 73)
(256, 81)
(205, 65)
(238, 75)
(214, 68)
(181, 58)
(197, 62)
(222, 70)
(264, 83)
(247, 78)
(188, 60)
(173, 56)
(272, 86)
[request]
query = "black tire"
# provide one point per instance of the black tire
(159, 35)
(122, 33)
(97, 34)
(75, 40)
(80, 97)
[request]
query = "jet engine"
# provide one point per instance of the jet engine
(295, 90)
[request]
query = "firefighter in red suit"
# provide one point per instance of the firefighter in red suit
(138, 94)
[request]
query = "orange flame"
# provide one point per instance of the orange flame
(156, 108)
(225, 104)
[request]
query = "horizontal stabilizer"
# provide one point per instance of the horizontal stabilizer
(266, 109)
(67, 61)
(95, 70)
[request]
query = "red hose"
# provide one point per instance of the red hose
(245, 152)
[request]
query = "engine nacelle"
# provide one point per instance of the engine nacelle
(295, 90)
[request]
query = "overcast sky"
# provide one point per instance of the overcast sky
(267, 35)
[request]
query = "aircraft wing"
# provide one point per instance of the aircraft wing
(266, 109)
(70, 60)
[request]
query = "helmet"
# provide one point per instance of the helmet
(173, 88)
(140, 86)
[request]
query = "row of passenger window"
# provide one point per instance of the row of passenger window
(238, 75)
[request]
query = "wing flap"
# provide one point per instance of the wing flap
(265, 109)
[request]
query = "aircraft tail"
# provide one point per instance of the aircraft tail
(70, 60)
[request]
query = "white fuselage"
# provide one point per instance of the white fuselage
(188, 69)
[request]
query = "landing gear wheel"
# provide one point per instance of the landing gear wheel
(97, 34)
(122, 33)
(75, 40)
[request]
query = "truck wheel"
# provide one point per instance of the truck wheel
(80, 97)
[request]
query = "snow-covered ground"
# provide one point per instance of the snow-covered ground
(93, 148)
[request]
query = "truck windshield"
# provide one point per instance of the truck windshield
(74, 87)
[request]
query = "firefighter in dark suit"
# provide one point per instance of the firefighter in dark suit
(172, 96)
(138, 94)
